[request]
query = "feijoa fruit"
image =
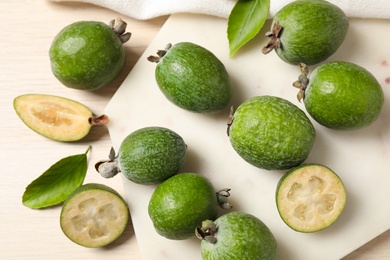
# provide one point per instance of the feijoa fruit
(192, 77)
(87, 55)
(307, 31)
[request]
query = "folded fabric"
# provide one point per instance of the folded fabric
(147, 9)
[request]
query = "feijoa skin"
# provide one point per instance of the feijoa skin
(151, 155)
(343, 95)
(87, 55)
(192, 77)
(237, 235)
(180, 204)
(271, 133)
(307, 31)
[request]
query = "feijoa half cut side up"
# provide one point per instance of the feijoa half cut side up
(94, 215)
(310, 197)
(55, 117)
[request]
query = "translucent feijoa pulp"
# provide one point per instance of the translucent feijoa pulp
(55, 117)
(192, 78)
(94, 215)
(343, 95)
(181, 203)
(307, 31)
(272, 133)
(310, 197)
(87, 55)
(237, 235)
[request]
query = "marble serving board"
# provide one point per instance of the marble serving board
(361, 158)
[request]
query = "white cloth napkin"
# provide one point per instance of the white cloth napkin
(147, 9)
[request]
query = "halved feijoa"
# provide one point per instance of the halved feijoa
(94, 215)
(55, 117)
(310, 197)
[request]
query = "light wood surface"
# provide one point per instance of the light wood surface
(27, 29)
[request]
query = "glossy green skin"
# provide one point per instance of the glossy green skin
(343, 95)
(241, 236)
(86, 55)
(271, 133)
(312, 31)
(193, 78)
(151, 155)
(180, 204)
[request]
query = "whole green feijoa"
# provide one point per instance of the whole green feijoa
(87, 55)
(192, 78)
(343, 95)
(148, 155)
(180, 204)
(307, 31)
(271, 133)
(237, 235)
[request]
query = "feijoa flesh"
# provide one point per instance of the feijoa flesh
(87, 55)
(192, 77)
(271, 133)
(307, 31)
(148, 155)
(237, 235)
(55, 117)
(342, 95)
(181, 203)
(94, 215)
(310, 197)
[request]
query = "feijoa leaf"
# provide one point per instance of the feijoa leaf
(245, 21)
(57, 182)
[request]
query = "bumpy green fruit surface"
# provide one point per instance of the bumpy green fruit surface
(181, 203)
(151, 155)
(307, 31)
(271, 133)
(87, 55)
(343, 95)
(237, 235)
(192, 78)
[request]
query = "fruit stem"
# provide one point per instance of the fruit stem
(119, 27)
(160, 54)
(99, 120)
(207, 231)
(274, 36)
(302, 82)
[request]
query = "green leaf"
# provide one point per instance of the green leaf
(245, 21)
(57, 183)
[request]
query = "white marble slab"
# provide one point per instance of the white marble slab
(361, 158)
